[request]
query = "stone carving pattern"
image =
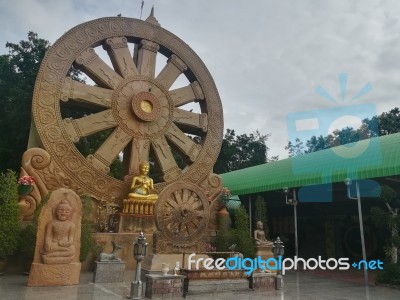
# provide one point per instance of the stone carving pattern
(37, 163)
(182, 214)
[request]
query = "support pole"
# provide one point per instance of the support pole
(364, 254)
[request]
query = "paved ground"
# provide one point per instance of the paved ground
(298, 285)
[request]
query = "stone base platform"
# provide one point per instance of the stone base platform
(164, 286)
(265, 281)
(136, 223)
(220, 285)
(205, 281)
(112, 271)
(54, 275)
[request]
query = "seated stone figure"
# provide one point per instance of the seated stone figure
(59, 236)
(142, 187)
(259, 236)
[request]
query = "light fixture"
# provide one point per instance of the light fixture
(278, 250)
(139, 252)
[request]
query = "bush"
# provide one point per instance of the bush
(390, 274)
(245, 243)
(86, 237)
(26, 246)
(9, 213)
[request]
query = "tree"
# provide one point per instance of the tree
(389, 220)
(18, 71)
(245, 244)
(9, 212)
(260, 214)
(242, 151)
(383, 124)
(295, 148)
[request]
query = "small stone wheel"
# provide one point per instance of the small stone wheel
(182, 213)
(138, 107)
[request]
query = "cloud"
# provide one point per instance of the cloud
(266, 57)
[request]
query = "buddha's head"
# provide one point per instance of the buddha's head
(144, 167)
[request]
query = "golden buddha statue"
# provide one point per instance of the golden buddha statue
(142, 197)
(142, 186)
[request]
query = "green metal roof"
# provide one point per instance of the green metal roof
(372, 158)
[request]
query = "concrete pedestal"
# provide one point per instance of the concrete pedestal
(264, 281)
(112, 271)
(265, 252)
(136, 223)
(160, 286)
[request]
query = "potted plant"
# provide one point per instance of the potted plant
(25, 185)
(9, 212)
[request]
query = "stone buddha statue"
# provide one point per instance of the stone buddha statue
(142, 187)
(59, 245)
(259, 236)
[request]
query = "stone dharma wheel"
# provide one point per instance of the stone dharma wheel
(132, 100)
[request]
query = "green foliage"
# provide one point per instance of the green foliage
(18, 71)
(27, 242)
(242, 151)
(387, 194)
(240, 234)
(27, 236)
(86, 241)
(86, 228)
(9, 213)
(390, 274)
(224, 237)
(260, 214)
(396, 241)
(295, 148)
(388, 123)
(378, 217)
(390, 220)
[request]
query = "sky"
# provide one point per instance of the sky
(272, 61)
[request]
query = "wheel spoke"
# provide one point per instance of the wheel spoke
(88, 125)
(147, 58)
(109, 150)
(183, 142)
(117, 49)
(171, 71)
(97, 69)
(192, 199)
(187, 94)
(139, 151)
(83, 93)
(165, 158)
(178, 197)
(190, 119)
(173, 204)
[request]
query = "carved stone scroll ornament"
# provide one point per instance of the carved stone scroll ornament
(37, 163)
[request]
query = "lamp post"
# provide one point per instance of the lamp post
(139, 252)
(293, 202)
(279, 250)
(348, 183)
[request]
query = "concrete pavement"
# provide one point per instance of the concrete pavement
(298, 285)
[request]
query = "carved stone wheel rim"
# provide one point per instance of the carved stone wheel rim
(182, 213)
(139, 107)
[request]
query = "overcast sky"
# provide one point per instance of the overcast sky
(267, 57)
